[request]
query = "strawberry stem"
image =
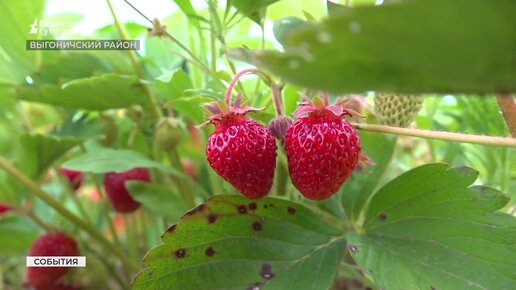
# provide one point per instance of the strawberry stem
(29, 214)
(262, 75)
(438, 135)
(276, 97)
(227, 98)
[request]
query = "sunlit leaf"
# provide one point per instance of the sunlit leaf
(16, 18)
(94, 93)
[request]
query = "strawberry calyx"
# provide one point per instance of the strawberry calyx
(219, 113)
(363, 161)
(222, 113)
(319, 107)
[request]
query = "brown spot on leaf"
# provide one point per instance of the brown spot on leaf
(257, 226)
(266, 272)
(212, 218)
(255, 286)
(195, 210)
(171, 228)
(291, 210)
(265, 206)
(242, 209)
(382, 217)
(181, 253)
(352, 248)
(252, 206)
(209, 252)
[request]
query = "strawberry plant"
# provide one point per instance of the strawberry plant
(260, 144)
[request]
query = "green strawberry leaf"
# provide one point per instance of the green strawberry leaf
(400, 47)
(429, 229)
(17, 234)
(191, 106)
(172, 84)
(95, 93)
(159, 199)
(57, 69)
(236, 243)
(336, 8)
(361, 185)
(16, 19)
(188, 10)
(38, 152)
(106, 160)
(284, 27)
(252, 8)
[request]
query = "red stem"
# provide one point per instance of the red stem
(227, 98)
(508, 107)
(276, 95)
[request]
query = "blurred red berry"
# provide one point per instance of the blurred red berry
(74, 177)
(4, 208)
(116, 191)
(53, 244)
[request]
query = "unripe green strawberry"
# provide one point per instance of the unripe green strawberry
(109, 131)
(395, 109)
(168, 132)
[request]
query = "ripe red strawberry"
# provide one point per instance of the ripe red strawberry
(74, 177)
(241, 151)
(53, 244)
(4, 208)
(116, 191)
(58, 286)
(322, 149)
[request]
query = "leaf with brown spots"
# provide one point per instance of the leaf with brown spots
(235, 243)
(430, 229)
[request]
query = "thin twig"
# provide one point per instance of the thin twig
(151, 99)
(447, 136)
(198, 62)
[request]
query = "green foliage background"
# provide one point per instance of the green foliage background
(422, 218)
